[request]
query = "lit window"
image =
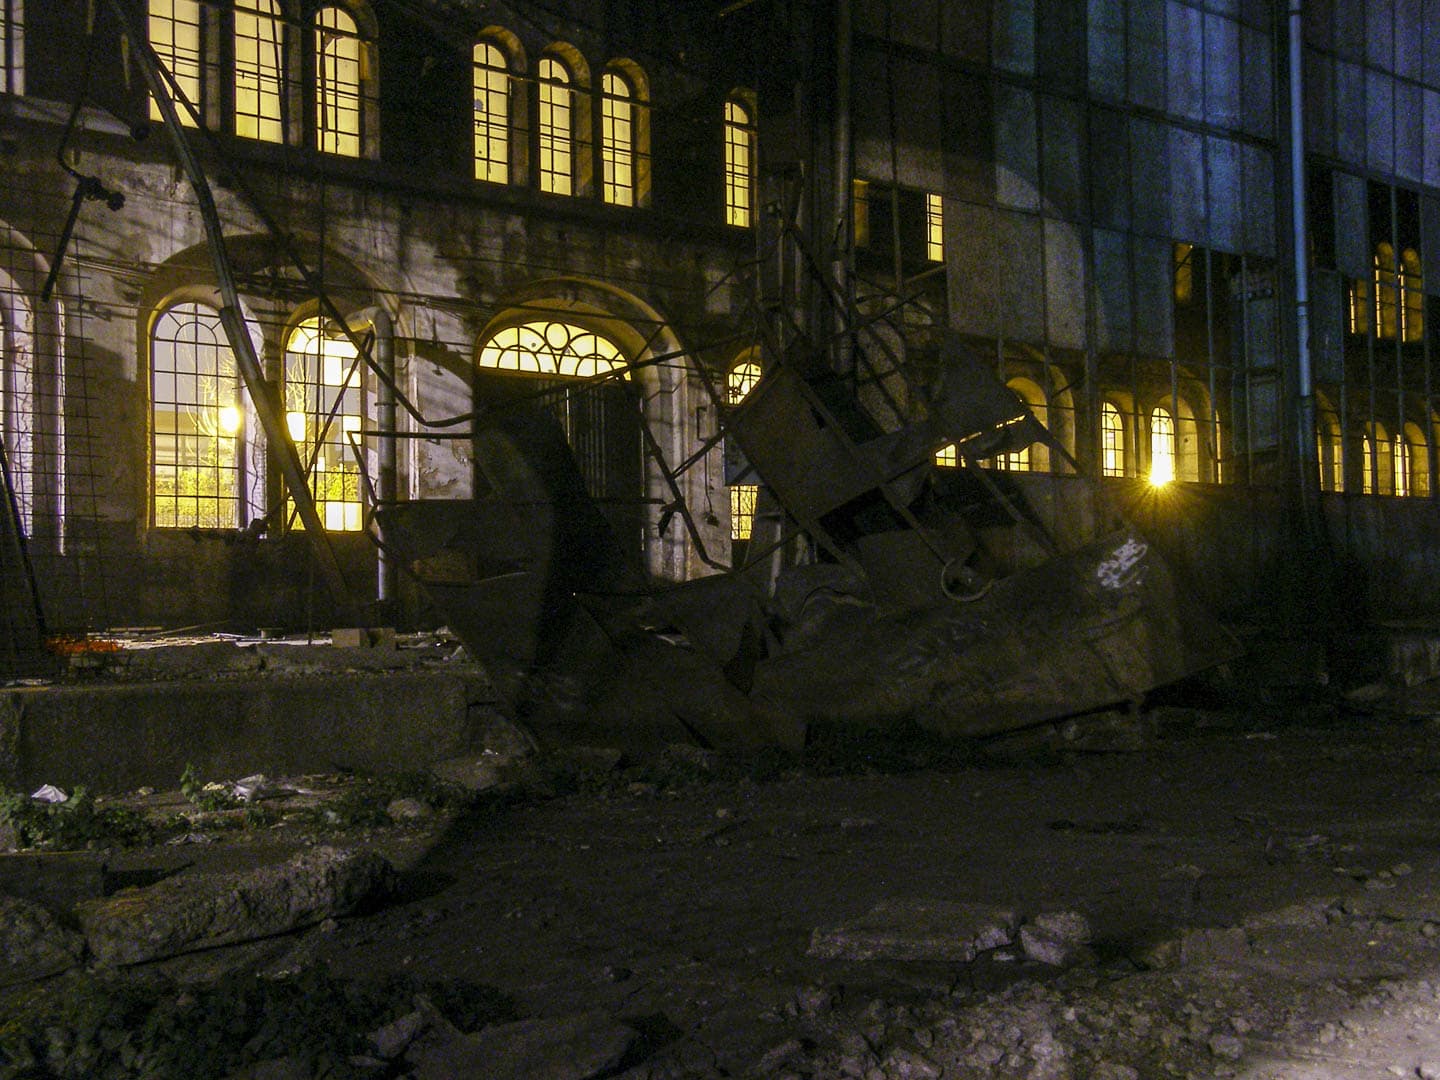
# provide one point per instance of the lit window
(1014, 461)
(557, 112)
(742, 510)
(338, 74)
(1184, 273)
(738, 383)
(860, 211)
(12, 46)
(934, 228)
(947, 456)
(492, 114)
(1361, 306)
(259, 67)
(1330, 452)
(617, 139)
(741, 381)
(1389, 312)
(197, 422)
(739, 164)
(174, 29)
(1112, 441)
(325, 401)
(1412, 307)
(552, 348)
(1417, 461)
(1400, 451)
(1162, 447)
(1375, 444)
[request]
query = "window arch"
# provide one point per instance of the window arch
(326, 399)
(176, 32)
(260, 63)
(617, 138)
(739, 160)
(344, 85)
(1412, 303)
(197, 422)
(1034, 457)
(1112, 440)
(1401, 462)
(1162, 446)
(491, 85)
(17, 408)
(556, 126)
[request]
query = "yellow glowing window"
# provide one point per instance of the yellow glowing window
(860, 211)
(196, 422)
(739, 164)
(1162, 446)
(12, 47)
(947, 456)
(1400, 452)
(174, 28)
(1112, 441)
(1329, 451)
(338, 51)
(1184, 273)
(1389, 312)
(492, 114)
(552, 348)
(325, 401)
(934, 228)
(1014, 461)
(1361, 305)
(557, 119)
(259, 70)
(740, 381)
(742, 510)
(617, 140)
(1412, 307)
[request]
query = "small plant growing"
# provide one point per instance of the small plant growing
(76, 823)
(196, 793)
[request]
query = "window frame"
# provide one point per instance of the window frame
(555, 126)
(740, 161)
(491, 82)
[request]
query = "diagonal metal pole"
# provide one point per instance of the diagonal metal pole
(230, 318)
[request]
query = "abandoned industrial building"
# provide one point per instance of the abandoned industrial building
(806, 538)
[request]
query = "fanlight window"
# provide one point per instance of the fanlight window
(552, 348)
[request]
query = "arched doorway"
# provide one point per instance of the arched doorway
(579, 376)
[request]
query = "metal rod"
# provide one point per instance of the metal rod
(234, 324)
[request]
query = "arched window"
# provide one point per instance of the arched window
(556, 123)
(617, 139)
(491, 81)
(12, 46)
(1418, 460)
(1400, 460)
(1162, 446)
(1376, 473)
(197, 422)
(260, 62)
(1412, 307)
(17, 408)
(739, 163)
(325, 401)
(1389, 311)
(176, 36)
(340, 76)
(740, 380)
(1112, 440)
(1330, 451)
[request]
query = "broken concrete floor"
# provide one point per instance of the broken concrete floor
(1248, 896)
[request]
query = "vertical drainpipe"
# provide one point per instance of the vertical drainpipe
(385, 483)
(1306, 458)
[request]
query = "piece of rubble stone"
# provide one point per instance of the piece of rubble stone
(184, 913)
(32, 944)
(394, 1038)
(917, 930)
(1056, 938)
(408, 809)
(478, 772)
(575, 1047)
(1218, 947)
